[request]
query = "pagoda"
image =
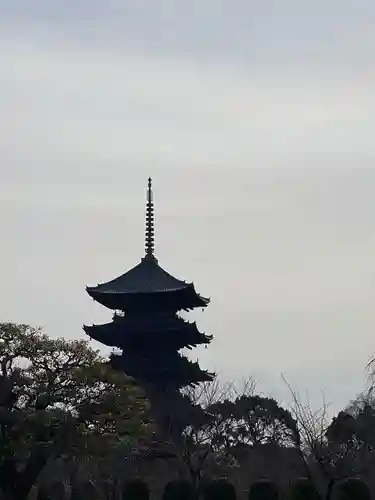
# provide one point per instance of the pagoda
(147, 329)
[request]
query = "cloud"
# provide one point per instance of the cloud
(263, 184)
(102, 106)
(257, 34)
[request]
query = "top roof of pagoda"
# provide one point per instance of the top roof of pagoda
(146, 277)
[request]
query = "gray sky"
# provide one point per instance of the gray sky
(255, 120)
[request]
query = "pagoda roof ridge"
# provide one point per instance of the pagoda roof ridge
(142, 284)
(175, 327)
(146, 277)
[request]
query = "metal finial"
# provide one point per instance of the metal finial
(149, 247)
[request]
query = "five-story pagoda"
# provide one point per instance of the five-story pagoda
(146, 326)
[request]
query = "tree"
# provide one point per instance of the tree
(312, 426)
(59, 398)
(252, 421)
(199, 449)
(224, 424)
(335, 450)
(351, 439)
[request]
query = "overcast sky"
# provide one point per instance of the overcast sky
(255, 120)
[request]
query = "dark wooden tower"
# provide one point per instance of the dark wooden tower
(146, 326)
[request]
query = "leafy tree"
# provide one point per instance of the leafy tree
(59, 398)
(350, 440)
(224, 424)
(252, 421)
(198, 423)
(312, 427)
(338, 449)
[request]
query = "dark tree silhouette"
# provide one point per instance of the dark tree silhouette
(58, 398)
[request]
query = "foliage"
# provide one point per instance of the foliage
(229, 424)
(315, 454)
(60, 402)
(354, 489)
(263, 490)
(351, 438)
(219, 490)
(57, 399)
(338, 449)
(303, 489)
(251, 421)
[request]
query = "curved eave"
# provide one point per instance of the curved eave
(114, 335)
(103, 290)
(152, 327)
(205, 300)
(99, 335)
(180, 298)
(178, 370)
(146, 277)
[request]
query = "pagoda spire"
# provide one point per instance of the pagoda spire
(149, 239)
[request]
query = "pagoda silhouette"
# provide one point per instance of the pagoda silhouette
(146, 325)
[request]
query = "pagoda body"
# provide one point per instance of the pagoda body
(146, 326)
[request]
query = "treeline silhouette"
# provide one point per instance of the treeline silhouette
(72, 427)
(303, 489)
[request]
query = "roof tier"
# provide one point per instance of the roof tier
(147, 286)
(164, 370)
(148, 332)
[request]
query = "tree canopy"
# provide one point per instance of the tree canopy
(61, 402)
(59, 398)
